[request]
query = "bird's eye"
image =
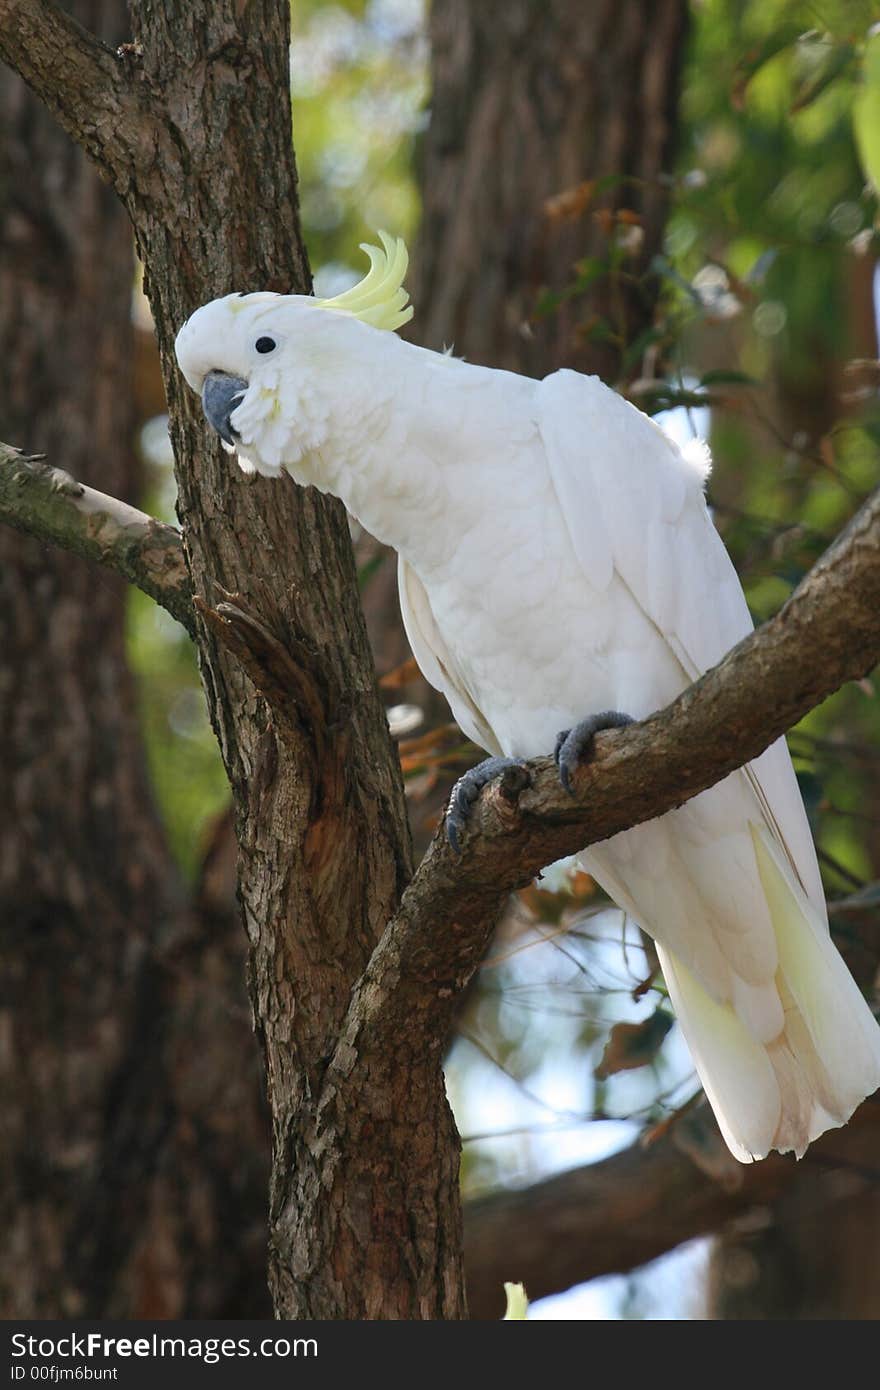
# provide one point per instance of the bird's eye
(265, 345)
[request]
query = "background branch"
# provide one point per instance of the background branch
(49, 504)
(80, 79)
(610, 1217)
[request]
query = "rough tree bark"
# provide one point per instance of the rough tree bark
(124, 1192)
(532, 99)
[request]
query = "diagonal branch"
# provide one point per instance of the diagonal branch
(81, 80)
(612, 1216)
(48, 504)
(826, 634)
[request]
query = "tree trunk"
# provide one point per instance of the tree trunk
(533, 99)
(125, 1195)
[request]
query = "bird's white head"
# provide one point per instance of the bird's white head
(258, 360)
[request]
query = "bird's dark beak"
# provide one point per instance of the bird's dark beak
(221, 394)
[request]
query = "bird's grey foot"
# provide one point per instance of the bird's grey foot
(465, 793)
(574, 746)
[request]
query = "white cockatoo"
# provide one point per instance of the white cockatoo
(556, 558)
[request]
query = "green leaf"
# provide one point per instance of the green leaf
(550, 300)
(606, 181)
(663, 395)
(837, 60)
(599, 330)
(758, 273)
(785, 36)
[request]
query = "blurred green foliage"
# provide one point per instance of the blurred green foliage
(774, 228)
(359, 83)
(184, 763)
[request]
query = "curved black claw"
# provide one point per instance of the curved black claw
(574, 746)
(465, 793)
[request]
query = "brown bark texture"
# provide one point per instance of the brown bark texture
(127, 1191)
(548, 119)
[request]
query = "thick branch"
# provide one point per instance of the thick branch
(611, 1217)
(48, 504)
(79, 78)
(826, 634)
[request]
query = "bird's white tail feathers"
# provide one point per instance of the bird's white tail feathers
(784, 1093)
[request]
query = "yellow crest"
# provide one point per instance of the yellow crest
(379, 299)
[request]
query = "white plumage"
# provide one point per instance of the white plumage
(557, 559)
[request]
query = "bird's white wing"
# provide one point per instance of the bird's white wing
(634, 506)
(435, 659)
